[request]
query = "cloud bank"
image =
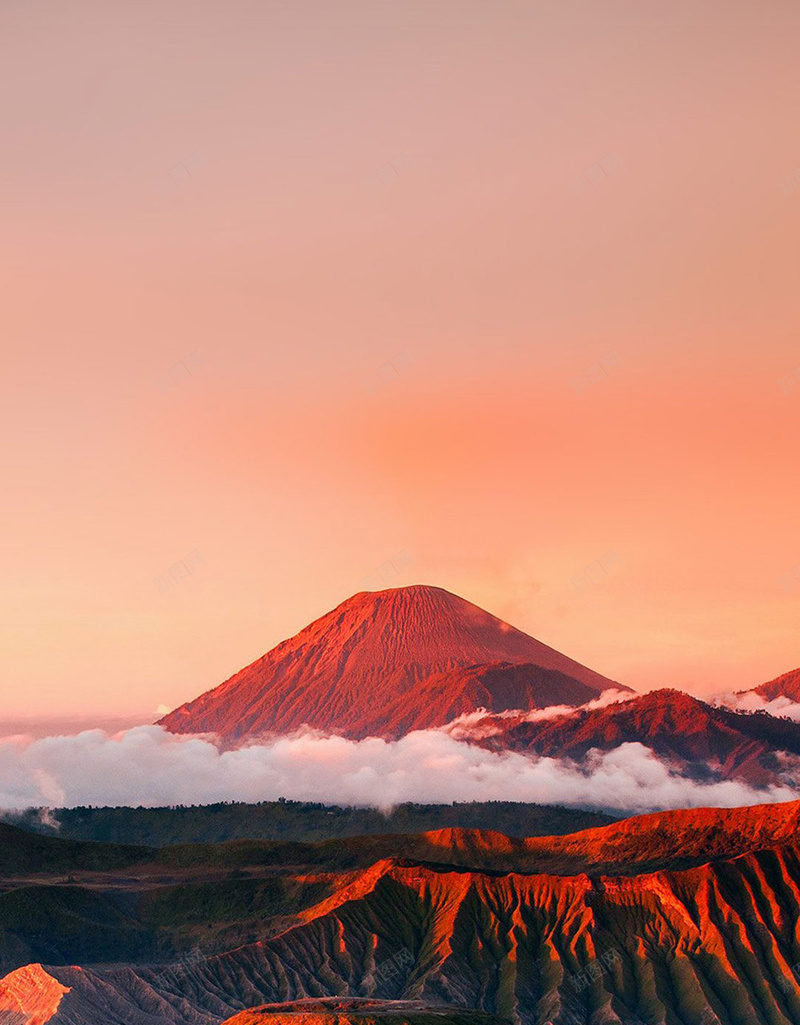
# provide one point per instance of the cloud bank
(149, 766)
(749, 701)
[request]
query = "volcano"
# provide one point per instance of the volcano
(385, 662)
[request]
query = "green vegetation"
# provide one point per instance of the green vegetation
(69, 924)
(21, 853)
(299, 821)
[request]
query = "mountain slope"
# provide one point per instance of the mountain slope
(22, 852)
(497, 687)
(698, 738)
(716, 943)
(785, 686)
(366, 667)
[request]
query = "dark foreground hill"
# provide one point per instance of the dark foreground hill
(716, 943)
(22, 853)
(298, 821)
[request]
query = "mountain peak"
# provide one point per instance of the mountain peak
(362, 669)
(412, 590)
(669, 696)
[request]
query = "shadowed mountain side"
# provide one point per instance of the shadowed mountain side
(361, 670)
(499, 687)
(22, 852)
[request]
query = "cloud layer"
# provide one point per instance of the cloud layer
(148, 766)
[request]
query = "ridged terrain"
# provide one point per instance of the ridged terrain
(698, 738)
(63, 902)
(715, 943)
(30, 996)
(384, 662)
(718, 940)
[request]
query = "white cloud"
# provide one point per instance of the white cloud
(749, 701)
(149, 766)
(482, 723)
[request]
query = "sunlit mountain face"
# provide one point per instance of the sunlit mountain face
(388, 662)
(785, 686)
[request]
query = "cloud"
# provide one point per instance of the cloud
(482, 723)
(149, 766)
(749, 701)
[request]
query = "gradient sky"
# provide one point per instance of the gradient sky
(299, 192)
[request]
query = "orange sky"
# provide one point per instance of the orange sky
(219, 179)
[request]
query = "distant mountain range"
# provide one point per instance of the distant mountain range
(699, 740)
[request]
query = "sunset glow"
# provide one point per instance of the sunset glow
(494, 291)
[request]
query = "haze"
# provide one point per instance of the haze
(484, 295)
